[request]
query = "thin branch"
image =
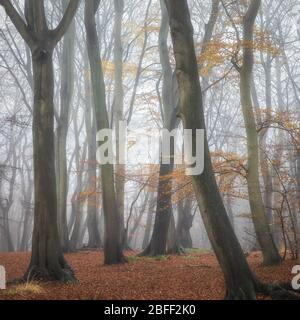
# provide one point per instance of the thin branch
(17, 21)
(65, 22)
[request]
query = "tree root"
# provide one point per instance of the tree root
(249, 290)
(282, 291)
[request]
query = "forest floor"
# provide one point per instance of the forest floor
(195, 275)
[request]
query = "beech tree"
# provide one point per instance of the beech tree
(164, 212)
(260, 220)
(241, 283)
(47, 260)
(112, 238)
(66, 95)
(118, 107)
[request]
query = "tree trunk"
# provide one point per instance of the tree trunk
(118, 107)
(138, 219)
(112, 242)
(264, 161)
(164, 211)
(158, 243)
(66, 94)
(260, 221)
(148, 226)
(173, 239)
(47, 260)
(93, 198)
(26, 202)
(238, 277)
(77, 203)
(185, 223)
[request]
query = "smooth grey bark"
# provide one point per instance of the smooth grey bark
(185, 223)
(66, 95)
(129, 235)
(6, 202)
(241, 283)
(27, 200)
(47, 261)
(93, 204)
(112, 242)
(259, 217)
(208, 34)
(140, 64)
(238, 277)
(277, 231)
(294, 154)
(173, 245)
(118, 109)
(138, 219)
(228, 205)
(77, 202)
(149, 221)
(262, 138)
(158, 242)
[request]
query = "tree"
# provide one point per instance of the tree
(112, 238)
(118, 106)
(164, 212)
(66, 94)
(93, 216)
(240, 281)
(262, 228)
(185, 223)
(47, 261)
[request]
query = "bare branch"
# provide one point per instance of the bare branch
(17, 20)
(65, 22)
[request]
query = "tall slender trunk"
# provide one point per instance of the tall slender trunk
(118, 109)
(78, 203)
(148, 224)
(164, 210)
(262, 138)
(66, 95)
(260, 221)
(238, 277)
(112, 242)
(93, 198)
(27, 198)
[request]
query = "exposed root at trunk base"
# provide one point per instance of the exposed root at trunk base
(283, 291)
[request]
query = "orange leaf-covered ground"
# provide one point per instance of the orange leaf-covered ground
(194, 275)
